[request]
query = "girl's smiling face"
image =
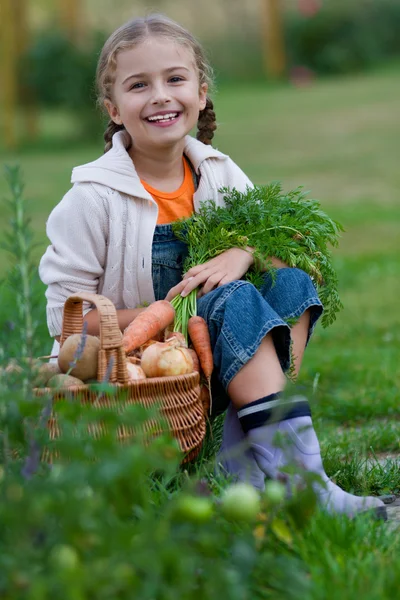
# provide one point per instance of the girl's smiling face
(156, 93)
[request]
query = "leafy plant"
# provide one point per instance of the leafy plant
(22, 280)
(272, 223)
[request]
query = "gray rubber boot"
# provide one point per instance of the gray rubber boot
(300, 446)
(235, 456)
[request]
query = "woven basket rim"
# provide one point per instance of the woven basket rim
(148, 382)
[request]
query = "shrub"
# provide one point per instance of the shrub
(344, 36)
(62, 74)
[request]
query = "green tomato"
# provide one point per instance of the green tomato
(275, 492)
(64, 558)
(194, 509)
(240, 502)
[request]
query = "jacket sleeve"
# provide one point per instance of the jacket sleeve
(236, 178)
(74, 261)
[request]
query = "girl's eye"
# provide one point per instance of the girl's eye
(137, 86)
(176, 79)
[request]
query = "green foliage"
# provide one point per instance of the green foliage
(344, 36)
(61, 73)
(184, 309)
(288, 226)
(18, 242)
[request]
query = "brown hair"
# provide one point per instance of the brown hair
(133, 33)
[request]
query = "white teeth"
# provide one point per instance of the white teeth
(163, 117)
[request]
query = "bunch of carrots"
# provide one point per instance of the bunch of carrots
(156, 320)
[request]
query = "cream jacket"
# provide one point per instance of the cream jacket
(102, 230)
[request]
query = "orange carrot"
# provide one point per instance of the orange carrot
(198, 331)
(147, 324)
(205, 398)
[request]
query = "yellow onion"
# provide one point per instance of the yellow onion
(165, 359)
(135, 372)
(143, 347)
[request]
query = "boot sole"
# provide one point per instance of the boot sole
(379, 513)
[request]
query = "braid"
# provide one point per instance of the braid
(109, 132)
(206, 123)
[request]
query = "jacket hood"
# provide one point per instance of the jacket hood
(116, 170)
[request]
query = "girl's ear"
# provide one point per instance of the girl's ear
(113, 112)
(203, 95)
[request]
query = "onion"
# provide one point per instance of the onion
(165, 359)
(143, 347)
(135, 372)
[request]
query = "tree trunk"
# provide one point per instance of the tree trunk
(8, 70)
(273, 39)
(70, 18)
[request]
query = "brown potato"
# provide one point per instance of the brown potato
(64, 381)
(44, 373)
(86, 366)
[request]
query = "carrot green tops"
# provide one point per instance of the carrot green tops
(174, 205)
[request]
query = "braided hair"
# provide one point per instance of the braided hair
(130, 35)
(109, 132)
(206, 125)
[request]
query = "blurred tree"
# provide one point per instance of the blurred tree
(9, 58)
(15, 38)
(26, 96)
(71, 18)
(273, 39)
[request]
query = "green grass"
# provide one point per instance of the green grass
(338, 138)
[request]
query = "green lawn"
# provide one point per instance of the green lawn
(338, 138)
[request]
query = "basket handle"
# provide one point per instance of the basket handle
(110, 334)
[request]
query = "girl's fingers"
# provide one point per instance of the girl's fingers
(212, 282)
(224, 280)
(194, 282)
(193, 271)
(210, 264)
(176, 290)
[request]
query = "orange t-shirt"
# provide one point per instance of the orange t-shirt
(174, 205)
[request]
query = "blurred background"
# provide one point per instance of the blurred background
(307, 93)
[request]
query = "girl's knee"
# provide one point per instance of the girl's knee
(235, 297)
(295, 278)
(291, 293)
(240, 292)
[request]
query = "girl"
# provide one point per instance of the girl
(111, 234)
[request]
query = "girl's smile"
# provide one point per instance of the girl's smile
(164, 118)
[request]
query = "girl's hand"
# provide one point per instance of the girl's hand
(228, 266)
(176, 290)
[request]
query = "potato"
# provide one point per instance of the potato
(44, 373)
(13, 368)
(86, 366)
(64, 381)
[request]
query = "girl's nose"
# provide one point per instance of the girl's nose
(160, 95)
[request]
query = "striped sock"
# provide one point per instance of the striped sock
(272, 409)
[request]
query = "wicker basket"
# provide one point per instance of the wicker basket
(178, 397)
